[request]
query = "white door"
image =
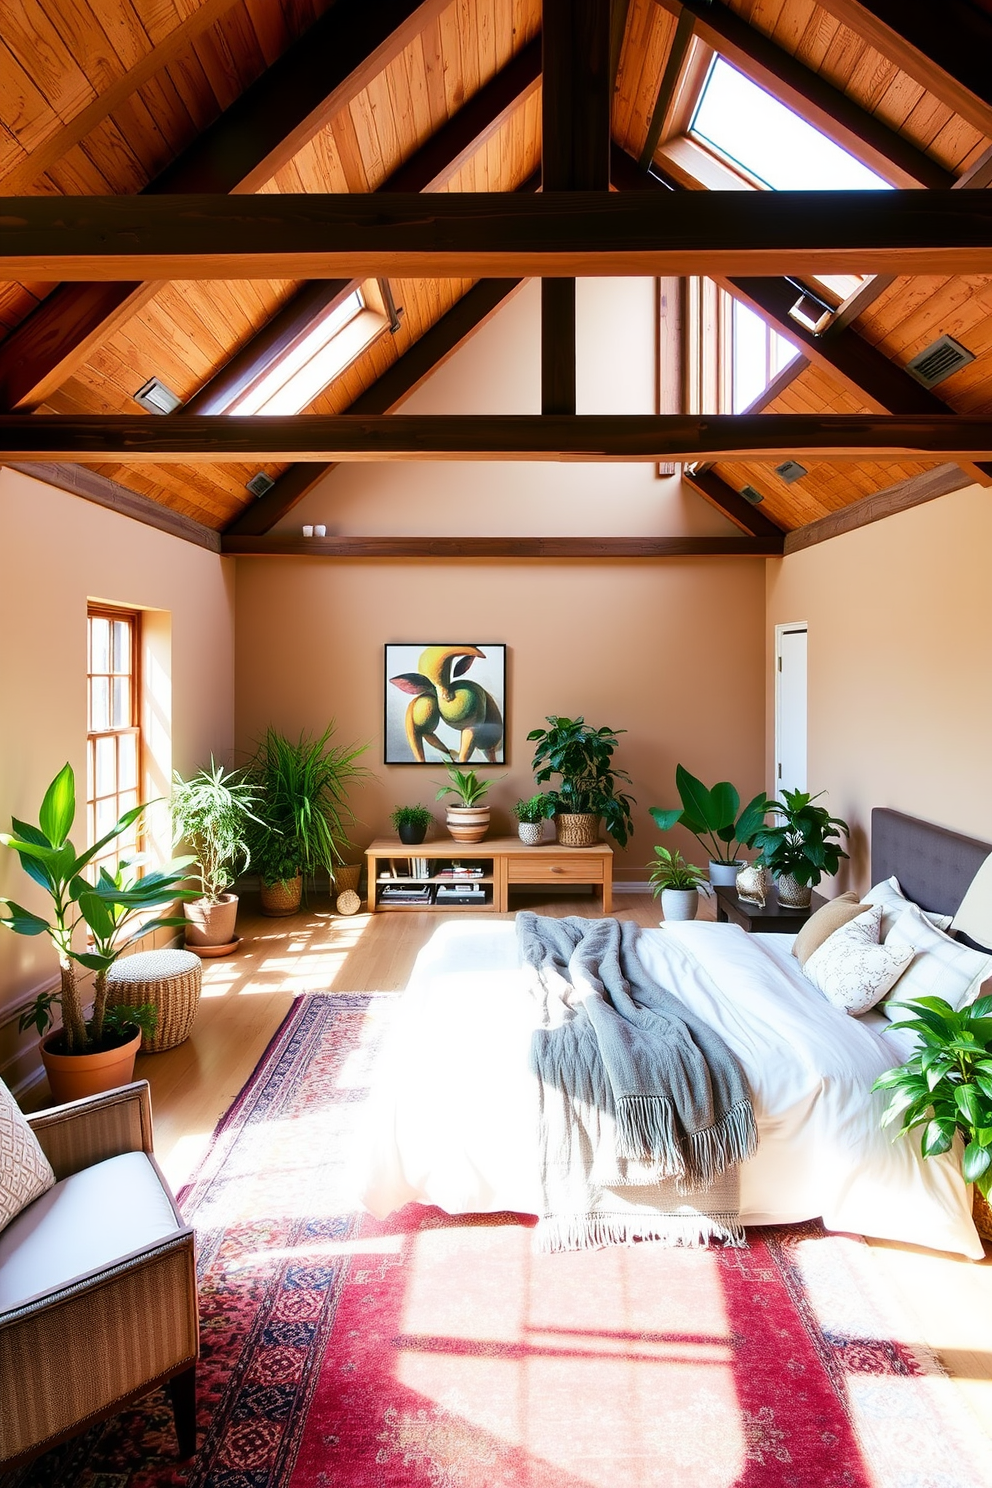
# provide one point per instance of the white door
(790, 707)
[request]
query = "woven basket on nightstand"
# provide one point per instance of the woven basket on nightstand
(170, 981)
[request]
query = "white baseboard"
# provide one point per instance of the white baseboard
(631, 886)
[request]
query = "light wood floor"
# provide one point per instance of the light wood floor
(948, 1302)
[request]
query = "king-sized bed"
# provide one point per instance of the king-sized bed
(454, 1111)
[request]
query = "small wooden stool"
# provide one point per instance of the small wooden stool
(170, 981)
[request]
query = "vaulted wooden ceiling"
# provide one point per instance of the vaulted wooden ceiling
(117, 97)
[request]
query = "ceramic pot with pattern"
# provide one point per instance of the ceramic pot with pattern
(792, 894)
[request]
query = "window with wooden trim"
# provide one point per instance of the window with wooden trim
(113, 739)
(731, 354)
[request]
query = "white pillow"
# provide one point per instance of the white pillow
(25, 1172)
(851, 968)
(974, 916)
(941, 967)
(890, 896)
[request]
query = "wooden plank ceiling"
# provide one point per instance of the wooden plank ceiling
(101, 96)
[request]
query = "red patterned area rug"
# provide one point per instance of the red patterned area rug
(427, 1352)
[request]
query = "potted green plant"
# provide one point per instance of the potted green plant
(115, 909)
(582, 758)
(802, 847)
(715, 819)
(411, 823)
(676, 882)
(212, 811)
(302, 812)
(946, 1087)
(468, 822)
(531, 815)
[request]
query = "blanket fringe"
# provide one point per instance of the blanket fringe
(558, 1232)
(645, 1126)
(709, 1152)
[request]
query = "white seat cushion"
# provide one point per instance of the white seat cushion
(83, 1223)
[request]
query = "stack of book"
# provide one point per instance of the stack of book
(460, 893)
(406, 893)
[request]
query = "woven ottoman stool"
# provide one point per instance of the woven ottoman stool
(170, 981)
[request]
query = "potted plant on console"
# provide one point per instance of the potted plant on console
(801, 847)
(212, 811)
(676, 882)
(582, 757)
(411, 823)
(531, 815)
(715, 819)
(468, 822)
(87, 1056)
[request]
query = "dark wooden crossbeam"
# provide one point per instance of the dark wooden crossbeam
(544, 548)
(939, 481)
(485, 234)
(330, 64)
(945, 47)
(810, 95)
(588, 437)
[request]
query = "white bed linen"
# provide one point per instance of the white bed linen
(452, 1115)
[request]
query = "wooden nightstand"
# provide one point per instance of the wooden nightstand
(751, 917)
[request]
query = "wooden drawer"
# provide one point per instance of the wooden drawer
(541, 869)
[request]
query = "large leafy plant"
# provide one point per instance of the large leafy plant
(805, 842)
(946, 1086)
(211, 811)
(115, 908)
(582, 758)
(302, 799)
(714, 816)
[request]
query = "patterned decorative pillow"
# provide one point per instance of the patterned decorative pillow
(851, 968)
(941, 967)
(25, 1172)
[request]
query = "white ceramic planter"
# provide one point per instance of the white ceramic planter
(724, 875)
(679, 904)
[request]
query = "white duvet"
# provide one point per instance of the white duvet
(452, 1117)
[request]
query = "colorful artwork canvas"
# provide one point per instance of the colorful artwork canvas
(445, 703)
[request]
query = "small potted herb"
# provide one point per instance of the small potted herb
(715, 819)
(676, 882)
(411, 823)
(469, 821)
(530, 816)
(801, 847)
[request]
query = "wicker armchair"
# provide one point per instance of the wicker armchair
(77, 1348)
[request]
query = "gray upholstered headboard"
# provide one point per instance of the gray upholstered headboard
(934, 866)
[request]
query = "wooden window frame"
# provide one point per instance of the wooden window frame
(133, 617)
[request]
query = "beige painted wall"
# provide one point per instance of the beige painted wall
(58, 552)
(900, 662)
(498, 372)
(670, 651)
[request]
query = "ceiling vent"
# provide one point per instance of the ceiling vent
(750, 494)
(791, 470)
(939, 361)
(157, 398)
(259, 484)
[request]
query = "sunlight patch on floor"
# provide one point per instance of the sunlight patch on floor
(183, 1157)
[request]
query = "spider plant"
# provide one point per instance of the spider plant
(211, 811)
(303, 799)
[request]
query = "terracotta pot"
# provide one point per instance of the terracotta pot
(468, 823)
(530, 832)
(793, 895)
(577, 829)
(71, 1076)
(282, 898)
(209, 924)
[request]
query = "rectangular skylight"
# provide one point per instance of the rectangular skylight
(320, 355)
(773, 145)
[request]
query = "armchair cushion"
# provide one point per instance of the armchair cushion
(84, 1223)
(25, 1171)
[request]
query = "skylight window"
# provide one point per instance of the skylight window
(777, 148)
(320, 355)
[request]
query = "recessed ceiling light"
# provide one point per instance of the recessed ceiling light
(157, 398)
(260, 483)
(791, 470)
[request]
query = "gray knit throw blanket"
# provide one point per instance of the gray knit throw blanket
(644, 1111)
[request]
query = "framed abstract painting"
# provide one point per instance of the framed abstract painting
(445, 703)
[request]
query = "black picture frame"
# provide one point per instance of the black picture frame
(429, 687)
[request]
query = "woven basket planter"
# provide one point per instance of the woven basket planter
(981, 1213)
(170, 981)
(577, 830)
(283, 897)
(347, 877)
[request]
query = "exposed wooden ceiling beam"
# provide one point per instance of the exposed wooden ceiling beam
(480, 234)
(925, 487)
(423, 358)
(589, 437)
(503, 547)
(92, 486)
(430, 166)
(320, 74)
(714, 489)
(946, 47)
(810, 95)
